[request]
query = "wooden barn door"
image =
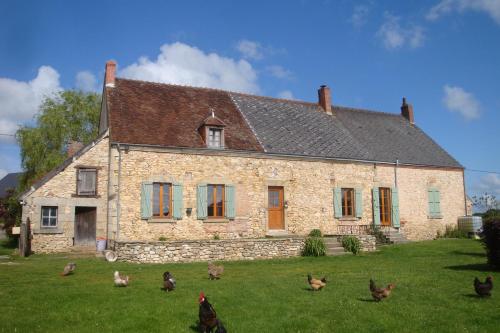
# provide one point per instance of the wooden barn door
(85, 226)
(276, 214)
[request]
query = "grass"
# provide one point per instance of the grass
(433, 293)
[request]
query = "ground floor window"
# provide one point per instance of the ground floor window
(348, 202)
(162, 199)
(215, 201)
(49, 216)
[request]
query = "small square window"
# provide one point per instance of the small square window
(49, 217)
(214, 138)
(87, 181)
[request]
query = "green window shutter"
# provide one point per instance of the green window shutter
(201, 201)
(177, 201)
(146, 200)
(376, 207)
(337, 198)
(359, 202)
(437, 202)
(395, 207)
(230, 202)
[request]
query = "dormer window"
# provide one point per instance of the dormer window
(212, 132)
(214, 138)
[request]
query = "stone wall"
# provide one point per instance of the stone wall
(51, 243)
(308, 186)
(368, 243)
(207, 250)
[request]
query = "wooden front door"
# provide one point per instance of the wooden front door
(385, 206)
(85, 221)
(276, 213)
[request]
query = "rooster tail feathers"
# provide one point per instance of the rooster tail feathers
(220, 327)
(476, 281)
(323, 279)
(372, 285)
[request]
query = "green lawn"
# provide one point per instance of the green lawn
(433, 293)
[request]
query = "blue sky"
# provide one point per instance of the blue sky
(443, 55)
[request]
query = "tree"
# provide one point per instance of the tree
(67, 116)
(10, 211)
(485, 202)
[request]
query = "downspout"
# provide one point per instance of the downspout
(465, 193)
(396, 173)
(118, 208)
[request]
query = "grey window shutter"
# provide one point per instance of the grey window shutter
(86, 182)
(376, 207)
(230, 202)
(337, 198)
(146, 200)
(395, 207)
(359, 202)
(177, 201)
(201, 201)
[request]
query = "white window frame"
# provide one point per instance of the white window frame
(50, 216)
(212, 143)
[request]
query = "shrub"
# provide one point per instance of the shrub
(379, 235)
(351, 244)
(162, 238)
(452, 232)
(216, 237)
(314, 245)
(315, 233)
(491, 240)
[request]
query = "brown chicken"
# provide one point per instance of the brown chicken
(379, 294)
(214, 271)
(315, 283)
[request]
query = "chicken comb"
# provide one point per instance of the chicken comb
(202, 297)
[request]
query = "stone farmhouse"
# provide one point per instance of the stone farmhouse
(187, 163)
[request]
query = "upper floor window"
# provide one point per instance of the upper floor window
(215, 201)
(49, 216)
(87, 181)
(162, 199)
(214, 138)
(348, 202)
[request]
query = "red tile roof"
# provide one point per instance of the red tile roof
(169, 115)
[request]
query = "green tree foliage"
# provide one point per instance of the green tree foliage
(10, 211)
(68, 116)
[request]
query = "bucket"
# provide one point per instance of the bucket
(101, 244)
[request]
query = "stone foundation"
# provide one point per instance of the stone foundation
(51, 243)
(225, 249)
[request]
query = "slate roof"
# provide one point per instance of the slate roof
(299, 128)
(170, 115)
(10, 181)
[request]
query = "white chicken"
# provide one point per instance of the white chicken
(120, 281)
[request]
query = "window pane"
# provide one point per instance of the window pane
(45, 221)
(219, 198)
(166, 199)
(53, 221)
(156, 199)
(210, 200)
(49, 217)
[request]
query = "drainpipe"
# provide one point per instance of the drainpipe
(465, 193)
(118, 208)
(396, 173)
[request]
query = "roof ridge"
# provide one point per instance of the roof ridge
(348, 108)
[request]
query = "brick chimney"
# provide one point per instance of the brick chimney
(73, 147)
(109, 76)
(407, 111)
(325, 99)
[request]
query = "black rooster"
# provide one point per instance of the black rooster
(483, 289)
(208, 317)
(168, 282)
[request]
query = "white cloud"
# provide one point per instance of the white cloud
(456, 99)
(179, 63)
(395, 36)
(285, 94)
(279, 72)
(86, 81)
(19, 100)
(359, 16)
(489, 183)
(250, 49)
(490, 7)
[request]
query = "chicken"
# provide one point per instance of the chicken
(214, 271)
(208, 317)
(483, 289)
(168, 281)
(120, 281)
(68, 269)
(315, 283)
(379, 294)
